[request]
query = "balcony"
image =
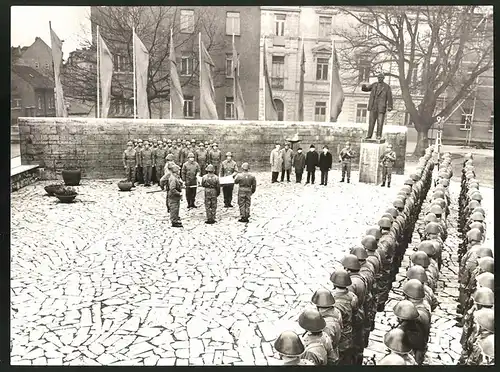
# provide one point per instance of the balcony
(277, 82)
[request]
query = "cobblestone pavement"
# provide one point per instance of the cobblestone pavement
(444, 346)
(106, 280)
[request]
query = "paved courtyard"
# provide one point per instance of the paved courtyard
(106, 280)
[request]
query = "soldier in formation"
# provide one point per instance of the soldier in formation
(146, 162)
(190, 171)
(247, 186)
(210, 182)
(175, 186)
(345, 158)
(129, 162)
(387, 160)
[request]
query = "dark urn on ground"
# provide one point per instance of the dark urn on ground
(66, 194)
(125, 185)
(72, 177)
(52, 189)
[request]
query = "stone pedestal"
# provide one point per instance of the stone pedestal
(370, 170)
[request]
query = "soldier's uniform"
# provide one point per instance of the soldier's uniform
(291, 348)
(345, 156)
(147, 164)
(483, 298)
(154, 149)
(139, 175)
(228, 168)
(483, 326)
(174, 196)
(167, 172)
(211, 184)
(189, 171)
(161, 154)
(396, 340)
(129, 162)
(176, 152)
(387, 160)
(183, 153)
(318, 346)
(407, 315)
(201, 158)
(324, 302)
(215, 158)
(248, 184)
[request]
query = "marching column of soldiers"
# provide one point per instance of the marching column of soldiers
(476, 275)
(337, 329)
(177, 165)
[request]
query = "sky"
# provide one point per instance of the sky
(70, 23)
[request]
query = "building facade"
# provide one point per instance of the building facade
(39, 57)
(218, 24)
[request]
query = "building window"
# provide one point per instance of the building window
(47, 66)
(361, 111)
(229, 65)
(15, 103)
(279, 20)
(51, 102)
(233, 23)
(187, 21)
(188, 107)
(325, 27)
(320, 111)
(37, 65)
(466, 120)
(278, 72)
(40, 102)
(230, 108)
(322, 69)
(186, 65)
(280, 108)
(363, 70)
(121, 63)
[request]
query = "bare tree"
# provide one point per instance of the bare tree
(450, 43)
(152, 25)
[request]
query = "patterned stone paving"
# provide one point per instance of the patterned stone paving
(107, 281)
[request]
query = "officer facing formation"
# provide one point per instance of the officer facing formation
(247, 186)
(190, 171)
(228, 168)
(210, 182)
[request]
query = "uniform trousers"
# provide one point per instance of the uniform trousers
(346, 169)
(190, 195)
(147, 169)
(129, 171)
(386, 174)
(228, 194)
(244, 201)
(210, 203)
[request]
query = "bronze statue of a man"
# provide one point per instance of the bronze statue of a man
(380, 101)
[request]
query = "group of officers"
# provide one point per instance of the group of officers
(337, 329)
(178, 165)
(476, 275)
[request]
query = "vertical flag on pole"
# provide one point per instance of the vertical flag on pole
(208, 109)
(98, 77)
(141, 62)
(176, 96)
(336, 91)
(57, 57)
(239, 103)
(270, 111)
(105, 75)
(301, 83)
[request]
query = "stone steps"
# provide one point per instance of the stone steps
(23, 175)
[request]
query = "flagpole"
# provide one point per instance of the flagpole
(133, 63)
(200, 63)
(234, 77)
(264, 76)
(302, 51)
(98, 76)
(170, 66)
(327, 119)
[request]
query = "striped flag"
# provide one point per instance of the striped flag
(239, 102)
(141, 60)
(57, 57)
(208, 110)
(271, 113)
(301, 83)
(106, 75)
(336, 91)
(176, 96)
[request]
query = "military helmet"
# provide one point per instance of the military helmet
(206, 143)
(409, 182)
(340, 278)
(214, 144)
(477, 216)
(438, 194)
(210, 168)
(437, 210)
(484, 296)
(385, 223)
(487, 344)
(485, 317)
(401, 195)
(245, 166)
(473, 204)
(289, 343)
(445, 182)
(397, 341)
(407, 188)
(200, 144)
(175, 168)
(487, 264)
(392, 360)
(190, 155)
(392, 211)
(486, 280)
(405, 310)
(474, 235)
(433, 228)
(351, 262)
(428, 247)
(484, 252)
(388, 215)
(360, 253)
(312, 321)
(398, 203)
(440, 202)
(375, 232)
(229, 153)
(415, 177)
(417, 272)
(323, 298)
(479, 210)
(414, 289)
(369, 243)
(430, 217)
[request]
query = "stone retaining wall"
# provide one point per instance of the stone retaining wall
(96, 145)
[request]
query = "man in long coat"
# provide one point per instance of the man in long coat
(299, 163)
(379, 102)
(312, 161)
(276, 161)
(287, 155)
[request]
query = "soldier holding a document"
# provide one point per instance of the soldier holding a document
(228, 168)
(189, 171)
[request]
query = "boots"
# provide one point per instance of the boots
(388, 184)
(383, 184)
(342, 180)
(348, 180)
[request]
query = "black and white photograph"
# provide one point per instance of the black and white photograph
(251, 185)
